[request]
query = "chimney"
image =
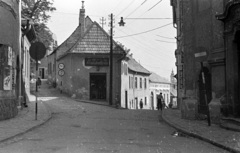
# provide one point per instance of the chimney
(82, 18)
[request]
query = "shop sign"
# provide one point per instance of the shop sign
(96, 61)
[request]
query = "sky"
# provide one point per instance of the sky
(148, 31)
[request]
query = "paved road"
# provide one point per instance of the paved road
(78, 127)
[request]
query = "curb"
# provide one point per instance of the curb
(31, 128)
(198, 136)
(97, 103)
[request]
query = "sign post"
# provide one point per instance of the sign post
(201, 55)
(37, 52)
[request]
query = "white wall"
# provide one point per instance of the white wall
(26, 64)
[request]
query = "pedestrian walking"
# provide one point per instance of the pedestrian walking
(159, 101)
(141, 104)
(39, 82)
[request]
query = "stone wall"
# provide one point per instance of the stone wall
(8, 108)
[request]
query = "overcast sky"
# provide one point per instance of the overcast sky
(151, 41)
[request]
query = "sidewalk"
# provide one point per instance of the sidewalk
(25, 120)
(214, 134)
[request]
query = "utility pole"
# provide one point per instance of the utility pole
(20, 56)
(102, 22)
(111, 60)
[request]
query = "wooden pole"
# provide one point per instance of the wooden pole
(111, 61)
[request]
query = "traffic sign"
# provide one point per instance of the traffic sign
(61, 72)
(61, 66)
(37, 51)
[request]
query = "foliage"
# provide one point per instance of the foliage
(37, 11)
(123, 47)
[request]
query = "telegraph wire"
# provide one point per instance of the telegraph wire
(149, 18)
(136, 8)
(126, 7)
(147, 46)
(120, 1)
(165, 37)
(144, 31)
(155, 5)
(166, 41)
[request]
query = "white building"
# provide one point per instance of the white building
(134, 85)
(159, 85)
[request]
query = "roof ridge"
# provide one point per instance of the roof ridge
(136, 69)
(65, 40)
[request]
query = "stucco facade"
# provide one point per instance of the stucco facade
(207, 34)
(9, 49)
(134, 85)
(159, 85)
(80, 66)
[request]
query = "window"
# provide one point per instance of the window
(132, 82)
(140, 82)
(145, 83)
(145, 100)
(129, 82)
(136, 82)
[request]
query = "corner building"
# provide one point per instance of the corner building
(208, 38)
(9, 50)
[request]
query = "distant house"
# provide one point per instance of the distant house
(135, 84)
(173, 90)
(80, 65)
(159, 85)
(43, 66)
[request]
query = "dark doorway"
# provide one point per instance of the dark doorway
(126, 99)
(207, 89)
(152, 101)
(98, 86)
(41, 73)
(136, 102)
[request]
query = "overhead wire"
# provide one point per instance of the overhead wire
(146, 11)
(155, 5)
(166, 41)
(136, 8)
(126, 8)
(145, 45)
(120, 1)
(164, 37)
(144, 31)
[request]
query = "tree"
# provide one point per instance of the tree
(37, 12)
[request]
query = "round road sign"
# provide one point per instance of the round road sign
(61, 66)
(37, 50)
(61, 72)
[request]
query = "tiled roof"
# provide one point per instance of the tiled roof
(95, 40)
(157, 79)
(72, 39)
(136, 67)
